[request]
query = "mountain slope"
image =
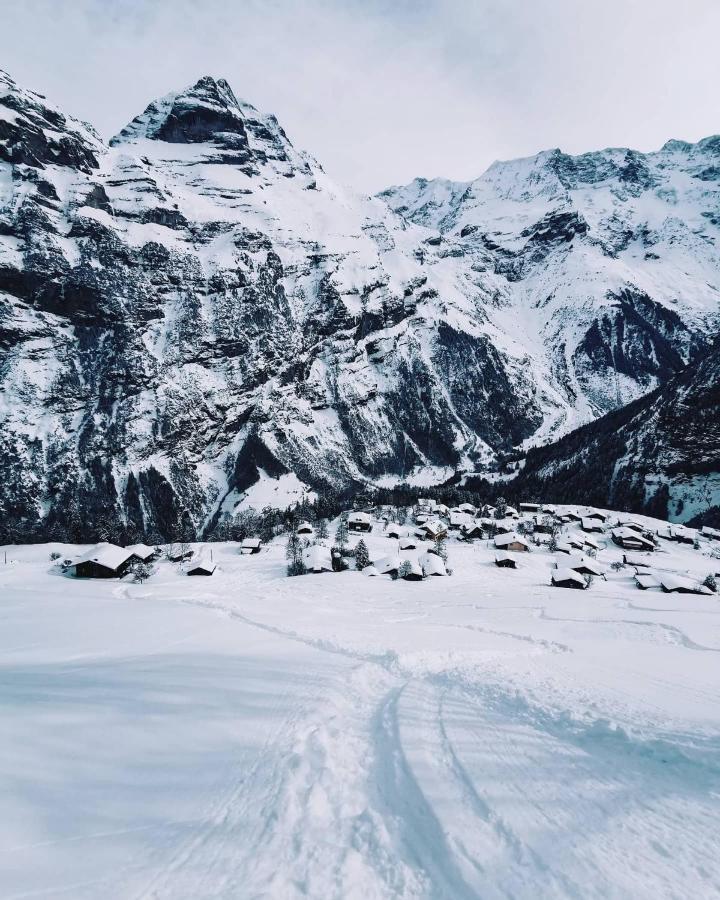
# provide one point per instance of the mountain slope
(659, 455)
(608, 260)
(197, 307)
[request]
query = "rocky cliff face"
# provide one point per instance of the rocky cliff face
(197, 306)
(659, 455)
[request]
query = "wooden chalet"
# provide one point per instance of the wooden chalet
(679, 584)
(202, 565)
(630, 539)
(505, 561)
(250, 545)
(511, 543)
(359, 521)
(103, 561)
(568, 578)
(305, 528)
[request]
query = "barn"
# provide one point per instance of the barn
(435, 529)
(472, 531)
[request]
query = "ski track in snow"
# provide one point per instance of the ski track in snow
(388, 773)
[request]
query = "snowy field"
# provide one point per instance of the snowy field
(251, 735)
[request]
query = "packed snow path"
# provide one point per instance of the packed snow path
(250, 735)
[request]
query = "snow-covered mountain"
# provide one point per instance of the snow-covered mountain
(659, 455)
(197, 306)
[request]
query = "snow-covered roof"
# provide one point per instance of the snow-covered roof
(387, 563)
(395, 530)
(109, 555)
(202, 561)
(682, 583)
(251, 543)
(435, 527)
(591, 523)
(467, 507)
(502, 556)
(305, 526)
(647, 580)
(711, 533)
(142, 551)
(360, 517)
(407, 543)
(415, 567)
(432, 564)
(582, 562)
(504, 540)
(370, 570)
(567, 575)
(317, 559)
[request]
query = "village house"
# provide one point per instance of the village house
(505, 561)
(568, 578)
(408, 543)
(584, 565)
(591, 525)
(250, 545)
(679, 584)
(511, 543)
(432, 565)
(396, 531)
(103, 561)
(143, 553)
(472, 531)
(530, 507)
(629, 539)
(317, 559)
(178, 553)
(434, 530)
(359, 521)
(305, 528)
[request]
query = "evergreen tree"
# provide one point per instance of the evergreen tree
(342, 534)
(441, 548)
(141, 572)
(500, 508)
(322, 530)
(293, 554)
(405, 569)
(362, 557)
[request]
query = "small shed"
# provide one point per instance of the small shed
(359, 521)
(591, 525)
(432, 564)
(202, 565)
(530, 507)
(568, 578)
(370, 571)
(317, 559)
(505, 561)
(251, 545)
(103, 561)
(421, 518)
(408, 543)
(636, 561)
(596, 514)
(511, 543)
(467, 508)
(590, 542)
(305, 528)
(511, 512)
(395, 531)
(712, 534)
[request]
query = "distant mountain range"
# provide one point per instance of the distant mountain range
(196, 307)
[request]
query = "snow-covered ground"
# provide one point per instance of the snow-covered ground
(337, 736)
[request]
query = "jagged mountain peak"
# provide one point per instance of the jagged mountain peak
(35, 133)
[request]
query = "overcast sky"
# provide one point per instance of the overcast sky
(382, 91)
